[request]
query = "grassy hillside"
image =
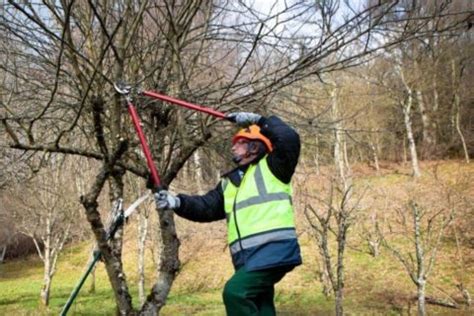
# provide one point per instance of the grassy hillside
(374, 285)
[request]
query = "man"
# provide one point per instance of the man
(255, 198)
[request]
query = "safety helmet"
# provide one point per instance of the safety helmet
(253, 133)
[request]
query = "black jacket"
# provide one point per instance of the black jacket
(281, 161)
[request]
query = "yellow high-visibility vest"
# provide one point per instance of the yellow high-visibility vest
(260, 210)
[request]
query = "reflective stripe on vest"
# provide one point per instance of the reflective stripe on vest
(260, 206)
(263, 196)
(262, 239)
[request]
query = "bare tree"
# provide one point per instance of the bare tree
(425, 234)
(340, 210)
(46, 211)
(456, 75)
(7, 233)
(335, 220)
(460, 284)
(370, 233)
(406, 105)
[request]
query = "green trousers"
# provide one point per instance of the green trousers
(251, 292)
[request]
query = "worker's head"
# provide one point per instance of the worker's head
(248, 144)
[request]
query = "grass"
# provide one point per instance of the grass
(298, 294)
(374, 286)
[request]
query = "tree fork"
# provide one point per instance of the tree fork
(112, 262)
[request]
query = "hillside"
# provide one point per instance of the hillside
(374, 285)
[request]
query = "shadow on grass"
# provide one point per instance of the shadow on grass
(101, 302)
(23, 300)
(21, 269)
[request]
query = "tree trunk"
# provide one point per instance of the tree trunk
(321, 232)
(429, 134)
(460, 133)
(316, 157)
(324, 251)
(411, 140)
(342, 218)
(339, 155)
(420, 259)
(465, 293)
(375, 156)
(339, 152)
(421, 284)
(347, 166)
(116, 245)
(341, 244)
(374, 239)
(142, 234)
(339, 302)
(113, 264)
(462, 268)
(167, 266)
(3, 251)
(343, 175)
(456, 108)
(91, 277)
(407, 105)
(324, 279)
(45, 289)
(197, 171)
(405, 154)
(92, 280)
(116, 193)
(374, 248)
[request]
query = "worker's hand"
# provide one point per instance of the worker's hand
(244, 119)
(166, 201)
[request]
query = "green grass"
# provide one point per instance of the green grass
(298, 294)
(21, 281)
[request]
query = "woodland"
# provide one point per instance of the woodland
(380, 91)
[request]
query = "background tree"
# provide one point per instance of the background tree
(340, 208)
(337, 214)
(423, 226)
(46, 211)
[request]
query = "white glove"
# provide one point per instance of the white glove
(166, 201)
(244, 119)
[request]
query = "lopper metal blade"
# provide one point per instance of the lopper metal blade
(135, 204)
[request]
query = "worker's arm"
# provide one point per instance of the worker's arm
(202, 208)
(286, 147)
